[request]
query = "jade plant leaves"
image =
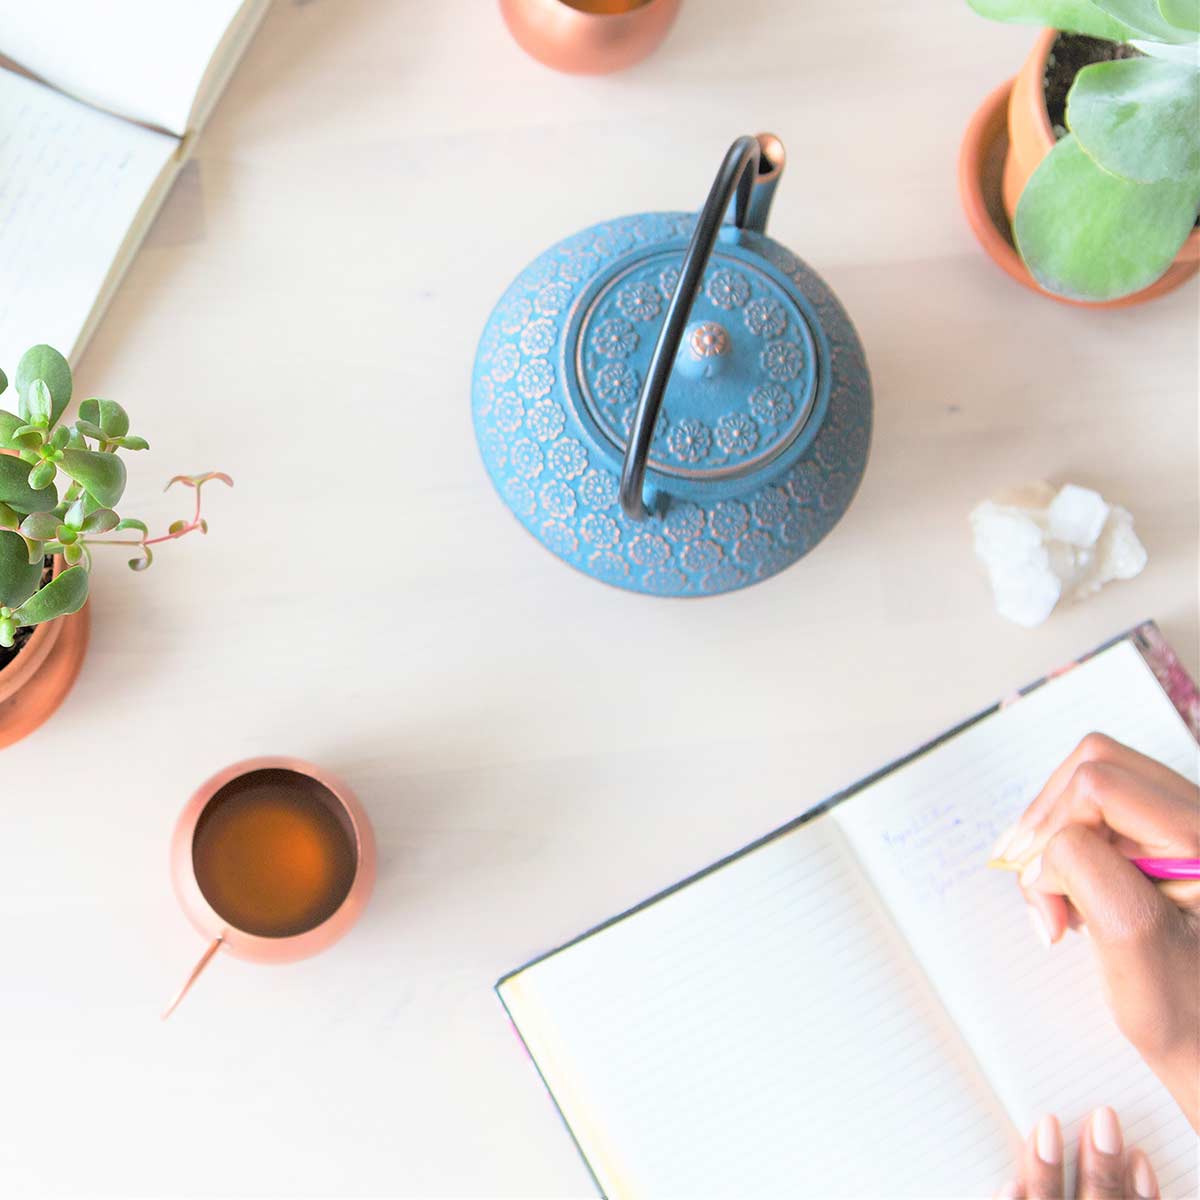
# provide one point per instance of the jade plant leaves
(44, 363)
(65, 593)
(38, 404)
(1138, 118)
(16, 492)
(1183, 14)
(18, 576)
(1146, 19)
(1087, 234)
(106, 415)
(1076, 16)
(102, 474)
(9, 424)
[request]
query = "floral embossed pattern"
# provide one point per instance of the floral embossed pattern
(725, 418)
(561, 480)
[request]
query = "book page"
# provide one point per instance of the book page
(761, 1032)
(72, 181)
(143, 59)
(1035, 1017)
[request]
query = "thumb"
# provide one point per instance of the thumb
(1127, 917)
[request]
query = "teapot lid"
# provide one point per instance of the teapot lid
(744, 383)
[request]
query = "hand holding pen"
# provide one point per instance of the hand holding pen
(1075, 848)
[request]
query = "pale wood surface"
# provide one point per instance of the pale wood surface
(304, 315)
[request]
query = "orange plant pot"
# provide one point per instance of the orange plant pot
(37, 681)
(1014, 119)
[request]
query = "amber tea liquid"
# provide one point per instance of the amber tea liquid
(274, 853)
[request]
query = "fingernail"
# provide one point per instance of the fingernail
(1143, 1179)
(1040, 927)
(1010, 1191)
(1002, 842)
(1106, 1131)
(1021, 842)
(1031, 872)
(1049, 1142)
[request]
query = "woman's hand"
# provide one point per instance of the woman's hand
(1103, 805)
(1107, 1169)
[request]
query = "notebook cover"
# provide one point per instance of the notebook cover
(1158, 654)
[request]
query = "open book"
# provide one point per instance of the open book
(99, 103)
(855, 1005)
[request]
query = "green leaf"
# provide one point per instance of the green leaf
(140, 564)
(133, 523)
(9, 517)
(9, 424)
(42, 527)
(45, 363)
(1089, 235)
(108, 414)
(133, 442)
(1075, 16)
(28, 437)
(103, 475)
(89, 430)
(8, 628)
(1138, 118)
(1183, 14)
(36, 403)
(41, 475)
(72, 554)
(3, 383)
(65, 593)
(103, 520)
(75, 515)
(15, 489)
(1144, 17)
(60, 438)
(177, 526)
(18, 576)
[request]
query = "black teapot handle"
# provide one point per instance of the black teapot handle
(738, 172)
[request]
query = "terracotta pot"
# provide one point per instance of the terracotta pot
(37, 681)
(589, 37)
(1030, 138)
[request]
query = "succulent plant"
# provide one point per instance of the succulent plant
(36, 522)
(1109, 207)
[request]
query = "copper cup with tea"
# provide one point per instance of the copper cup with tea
(273, 860)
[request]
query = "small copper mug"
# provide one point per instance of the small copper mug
(589, 37)
(313, 781)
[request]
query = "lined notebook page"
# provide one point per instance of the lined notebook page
(72, 181)
(1035, 1017)
(761, 1032)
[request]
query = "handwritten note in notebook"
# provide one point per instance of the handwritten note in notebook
(856, 1006)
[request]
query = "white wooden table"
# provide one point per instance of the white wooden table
(313, 291)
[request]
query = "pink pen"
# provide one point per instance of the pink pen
(1168, 868)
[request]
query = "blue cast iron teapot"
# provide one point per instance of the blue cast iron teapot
(676, 404)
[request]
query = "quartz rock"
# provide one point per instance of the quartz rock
(1041, 545)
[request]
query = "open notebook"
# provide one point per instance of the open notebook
(855, 1005)
(89, 149)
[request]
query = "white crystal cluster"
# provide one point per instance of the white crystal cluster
(1041, 544)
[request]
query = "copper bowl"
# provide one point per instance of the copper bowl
(589, 37)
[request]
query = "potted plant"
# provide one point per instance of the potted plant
(1101, 173)
(47, 536)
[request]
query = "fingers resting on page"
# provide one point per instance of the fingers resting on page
(1107, 1169)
